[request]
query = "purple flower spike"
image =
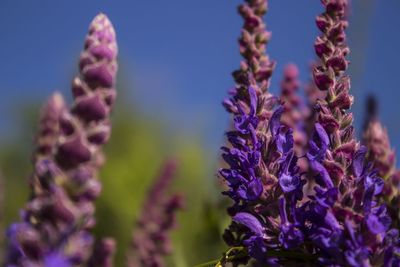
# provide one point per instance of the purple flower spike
(261, 162)
(346, 217)
(64, 184)
(150, 240)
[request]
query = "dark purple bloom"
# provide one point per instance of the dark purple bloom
(321, 174)
(275, 122)
(257, 248)
(250, 222)
(358, 161)
(318, 145)
(291, 236)
(244, 123)
(288, 182)
(251, 191)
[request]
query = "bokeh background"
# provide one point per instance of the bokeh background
(175, 63)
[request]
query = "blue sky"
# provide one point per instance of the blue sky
(176, 56)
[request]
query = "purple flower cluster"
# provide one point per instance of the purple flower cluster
(343, 220)
(150, 241)
(349, 221)
(262, 173)
(55, 225)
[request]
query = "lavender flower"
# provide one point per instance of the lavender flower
(150, 241)
(55, 223)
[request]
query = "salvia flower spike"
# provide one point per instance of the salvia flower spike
(262, 177)
(150, 241)
(347, 221)
(55, 223)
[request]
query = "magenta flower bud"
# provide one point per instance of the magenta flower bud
(323, 22)
(49, 125)
(323, 79)
(73, 151)
(253, 44)
(323, 48)
(342, 101)
(98, 65)
(329, 122)
(91, 108)
(337, 63)
(99, 135)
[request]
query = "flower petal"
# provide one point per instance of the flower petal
(250, 222)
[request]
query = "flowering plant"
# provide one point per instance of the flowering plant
(303, 190)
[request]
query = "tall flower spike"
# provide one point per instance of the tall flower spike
(262, 175)
(253, 43)
(347, 222)
(56, 221)
(150, 240)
